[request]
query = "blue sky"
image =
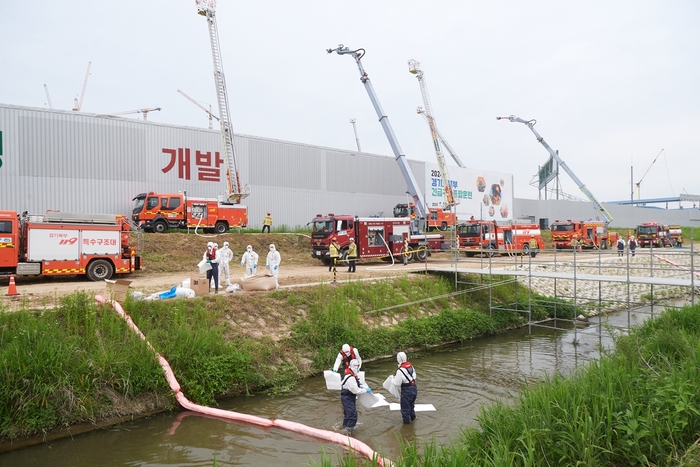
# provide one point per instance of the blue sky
(611, 84)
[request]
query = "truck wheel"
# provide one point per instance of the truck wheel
(99, 270)
(490, 250)
(221, 227)
(326, 261)
(421, 254)
(603, 245)
(443, 226)
(469, 254)
(160, 227)
(526, 250)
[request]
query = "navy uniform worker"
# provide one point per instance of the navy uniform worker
(347, 354)
(349, 390)
(405, 378)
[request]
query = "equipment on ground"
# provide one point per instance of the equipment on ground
(376, 237)
(158, 212)
(414, 68)
(491, 237)
(555, 155)
(658, 235)
(236, 192)
(437, 217)
(211, 115)
(63, 243)
(588, 234)
(412, 186)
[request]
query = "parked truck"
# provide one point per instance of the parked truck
(61, 243)
(158, 212)
(492, 237)
(658, 235)
(588, 234)
(376, 237)
(437, 218)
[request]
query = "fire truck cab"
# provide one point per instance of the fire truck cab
(657, 235)
(588, 234)
(490, 237)
(61, 243)
(438, 218)
(158, 212)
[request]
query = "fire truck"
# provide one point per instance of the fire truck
(376, 237)
(491, 237)
(438, 218)
(158, 212)
(658, 235)
(61, 243)
(589, 234)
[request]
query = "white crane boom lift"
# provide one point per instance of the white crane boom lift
(139, 111)
(639, 183)
(78, 104)
(236, 193)
(531, 125)
(208, 111)
(444, 142)
(414, 67)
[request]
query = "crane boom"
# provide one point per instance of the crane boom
(639, 183)
(443, 141)
(139, 111)
(79, 103)
(48, 98)
(531, 125)
(411, 183)
(208, 111)
(207, 8)
(414, 68)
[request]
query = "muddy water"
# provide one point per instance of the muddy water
(458, 380)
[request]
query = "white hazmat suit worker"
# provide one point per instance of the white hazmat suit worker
(225, 255)
(250, 261)
(273, 263)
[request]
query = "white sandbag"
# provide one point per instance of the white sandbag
(382, 402)
(258, 282)
(418, 407)
(136, 295)
(233, 288)
(368, 399)
(333, 379)
(184, 292)
(203, 266)
(186, 283)
(389, 386)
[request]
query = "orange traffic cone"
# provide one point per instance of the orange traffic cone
(12, 288)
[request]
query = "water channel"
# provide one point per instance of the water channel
(458, 380)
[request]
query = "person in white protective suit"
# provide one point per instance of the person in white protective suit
(250, 260)
(273, 263)
(225, 257)
(345, 356)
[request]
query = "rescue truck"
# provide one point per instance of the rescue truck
(658, 235)
(438, 218)
(492, 237)
(61, 243)
(158, 212)
(375, 237)
(588, 234)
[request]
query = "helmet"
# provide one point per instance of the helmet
(532, 236)
(346, 349)
(354, 365)
(225, 243)
(401, 357)
(352, 239)
(268, 213)
(249, 248)
(210, 244)
(216, 245)
(272, 247)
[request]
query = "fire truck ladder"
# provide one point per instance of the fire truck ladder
(236, 193)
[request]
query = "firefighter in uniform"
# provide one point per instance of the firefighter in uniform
(267, 222)
(352, 255)
(406, 379)
(533, 246)
(334, 252)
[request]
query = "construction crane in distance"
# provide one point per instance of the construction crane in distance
(414, 68)
(211, 115)
(48, 98)
(78, 104)
(236, 193)
(639, 183)
(555, 155)
(139, 111)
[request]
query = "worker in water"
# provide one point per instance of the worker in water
(267, 222)
(620, 246)
(273, 263)
(225, 255)
(352, 255)
(211, 256)
(250, 260)
(405, 250)
(345, 356)
(334, 253)
(533, 246)
(405, 378)
(350, 388)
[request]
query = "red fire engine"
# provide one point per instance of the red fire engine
(375, 237)
(493, 237)
(658, 235)
(588, 234)
(438, 218)
(60, 243)
(158, 212)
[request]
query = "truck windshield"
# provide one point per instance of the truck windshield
(322, 227)
(401, 211)
(470, 230)
(646, 230)
(139, 204)
(562, 227)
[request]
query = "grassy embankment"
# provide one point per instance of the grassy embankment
(637, 406)
(80, 363)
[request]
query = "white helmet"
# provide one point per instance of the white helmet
(210, 244)
(216, 245)
(225, 244)
(401, 357)
(272, 247)
(354, 366)
(346, 349)
(249, 248)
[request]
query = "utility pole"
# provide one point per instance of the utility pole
(354, 129)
